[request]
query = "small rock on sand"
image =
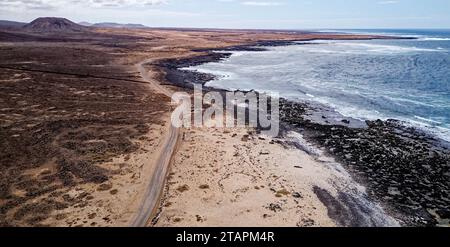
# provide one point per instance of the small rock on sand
(104, 187)
(183, 188)
(204, 187)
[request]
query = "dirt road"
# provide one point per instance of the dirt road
(168, 147)
(153, 84)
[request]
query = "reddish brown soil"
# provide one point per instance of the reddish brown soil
(56, 129)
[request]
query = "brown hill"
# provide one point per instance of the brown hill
(54, 24)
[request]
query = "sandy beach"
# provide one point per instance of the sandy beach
(236, 177)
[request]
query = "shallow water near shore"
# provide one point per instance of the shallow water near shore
(407, 80)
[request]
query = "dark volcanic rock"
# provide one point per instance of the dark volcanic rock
(402, 167)
(186, 78)
(54, 24)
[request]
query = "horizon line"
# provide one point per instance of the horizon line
(244, 29)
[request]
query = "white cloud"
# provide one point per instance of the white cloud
(52, 4)
(122, 3)
(387, 2)
(263, 4)
(254, 3)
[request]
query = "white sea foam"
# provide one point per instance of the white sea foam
(404, 100)
(373, 32)
(434, 39)
(387, 48)
(427, 120)
(429, 125)
(218, 73)
(340, 47)
(441, 132)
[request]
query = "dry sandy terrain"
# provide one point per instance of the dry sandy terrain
(79, 145)
(236, 177)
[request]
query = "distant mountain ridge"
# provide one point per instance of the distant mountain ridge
(84, 23)
(117, 25)
(57, 24)
(5, 23)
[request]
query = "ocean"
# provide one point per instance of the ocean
(407, 80)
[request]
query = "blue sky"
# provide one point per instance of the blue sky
(279, 14)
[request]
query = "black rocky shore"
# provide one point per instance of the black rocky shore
(403, 168)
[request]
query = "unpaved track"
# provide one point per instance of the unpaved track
(156, 183)
(154, 84)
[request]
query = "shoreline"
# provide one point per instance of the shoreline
(405, 151)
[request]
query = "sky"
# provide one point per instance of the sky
(260, 14)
